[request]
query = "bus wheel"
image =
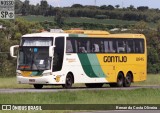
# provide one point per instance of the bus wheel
(127, 80)
(69, 81)
(120, 80)
(38, 86)
(94, 85)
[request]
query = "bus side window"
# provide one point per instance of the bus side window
(130, 46)
(139, 45)
(95, 48)
(121, 46)
(69, 48)
(82, 45)
(109, 46)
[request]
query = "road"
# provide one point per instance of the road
(21, 90)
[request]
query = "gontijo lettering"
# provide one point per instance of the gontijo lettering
(115, 59)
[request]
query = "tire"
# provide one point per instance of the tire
(69, 81)
(38, 86)
(94, 85)
(127, 80)
(120, 81)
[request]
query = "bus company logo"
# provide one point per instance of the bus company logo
(7, 9)
(6, 107)
(115, 59)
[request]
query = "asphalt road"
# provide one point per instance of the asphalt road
(19, 90)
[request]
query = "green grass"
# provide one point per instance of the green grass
(39, 18)
(34, 18)
(137, 96)
(98, 21)
(78, 20)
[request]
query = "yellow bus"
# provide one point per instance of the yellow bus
(81, 56)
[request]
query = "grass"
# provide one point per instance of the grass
(136, 96)
(39, 18)
(34, 18)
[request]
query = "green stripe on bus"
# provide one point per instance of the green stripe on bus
(86, 65)
(95, 65)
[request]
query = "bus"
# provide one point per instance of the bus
(91, 57)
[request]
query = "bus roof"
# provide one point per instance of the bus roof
(45, 34)
(87, 32)
(126, 35)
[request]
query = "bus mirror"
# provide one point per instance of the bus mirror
(12, 50)
(51, 51)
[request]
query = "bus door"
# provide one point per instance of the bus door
(58, 54)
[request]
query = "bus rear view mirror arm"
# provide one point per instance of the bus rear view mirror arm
(12, 50)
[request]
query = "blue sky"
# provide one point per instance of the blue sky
(124, 3)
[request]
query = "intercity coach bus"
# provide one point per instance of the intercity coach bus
(91, 57)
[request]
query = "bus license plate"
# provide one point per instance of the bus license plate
(31, 80)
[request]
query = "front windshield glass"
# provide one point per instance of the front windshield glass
(34, 58)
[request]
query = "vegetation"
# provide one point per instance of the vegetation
(137, 96)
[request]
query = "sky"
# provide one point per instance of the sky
(122, 3)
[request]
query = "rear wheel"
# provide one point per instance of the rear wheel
(120, 80)
(94, 85)
(127, 80)
(69, 81)
(38, 86)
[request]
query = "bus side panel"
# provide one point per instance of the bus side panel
(112, 64)
(83, 69)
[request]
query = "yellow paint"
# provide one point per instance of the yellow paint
(26, 73)
(111, 69)
(58, 78)
(88, 32)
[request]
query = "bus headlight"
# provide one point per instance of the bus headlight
(19, 74)
(47, 74)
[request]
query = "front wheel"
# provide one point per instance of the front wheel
(38, 86)
(69, 81)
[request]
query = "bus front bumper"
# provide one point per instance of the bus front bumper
(39, 80)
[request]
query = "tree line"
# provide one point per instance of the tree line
(101, 12)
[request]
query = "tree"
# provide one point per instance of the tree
(77, 6)
(25, 7)
(44, 7)
(131, 7)
(59, 19)
(142, 8)
(117, 6)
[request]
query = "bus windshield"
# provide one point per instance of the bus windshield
(34, 58)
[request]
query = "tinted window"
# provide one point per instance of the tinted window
(104, 45)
